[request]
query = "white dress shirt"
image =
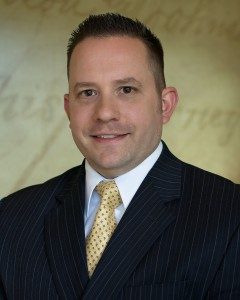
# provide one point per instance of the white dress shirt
(127, 184)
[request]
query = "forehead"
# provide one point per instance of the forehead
(107, 59)
(106, 49)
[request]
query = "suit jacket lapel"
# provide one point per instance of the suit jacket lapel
(65, 241)
(148, 215)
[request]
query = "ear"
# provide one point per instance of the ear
(169, 102)
(66, 105)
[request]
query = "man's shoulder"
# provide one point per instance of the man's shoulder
(196, 172)
(193, 177)
(45, 190)
(207, 185)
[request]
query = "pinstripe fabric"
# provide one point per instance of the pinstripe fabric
(178, 239)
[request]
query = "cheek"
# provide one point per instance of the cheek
(77, 123)
(78, 117)
(148, 116)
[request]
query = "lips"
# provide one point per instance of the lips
(109, 137)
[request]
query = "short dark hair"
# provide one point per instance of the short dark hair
(112, 24)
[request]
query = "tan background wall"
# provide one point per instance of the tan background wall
(202, 51)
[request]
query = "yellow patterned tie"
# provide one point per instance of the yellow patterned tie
(104, 224)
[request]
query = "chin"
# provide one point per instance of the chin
(110, 169)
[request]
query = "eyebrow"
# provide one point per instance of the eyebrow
(122, 81)
(128, 80)
(83, 84)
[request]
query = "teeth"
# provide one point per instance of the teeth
(107, 136)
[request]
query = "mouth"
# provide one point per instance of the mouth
(109, 137)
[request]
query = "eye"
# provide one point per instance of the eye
(127, 89)
(88, 93)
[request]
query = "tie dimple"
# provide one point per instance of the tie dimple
(104, 223)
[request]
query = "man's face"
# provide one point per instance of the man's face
(114, 109)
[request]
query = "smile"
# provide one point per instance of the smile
(109, 137)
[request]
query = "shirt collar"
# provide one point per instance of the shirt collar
(127, 183)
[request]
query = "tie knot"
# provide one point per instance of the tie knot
(109, 193)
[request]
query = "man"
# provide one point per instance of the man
(173, 232)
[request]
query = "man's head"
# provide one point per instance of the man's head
(108, 25)
(115, 109)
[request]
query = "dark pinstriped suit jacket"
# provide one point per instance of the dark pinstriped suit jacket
(178, 239)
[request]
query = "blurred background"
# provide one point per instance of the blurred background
(201, 39)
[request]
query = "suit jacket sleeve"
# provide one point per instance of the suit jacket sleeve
(226, 284)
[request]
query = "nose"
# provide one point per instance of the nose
(106, 109)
